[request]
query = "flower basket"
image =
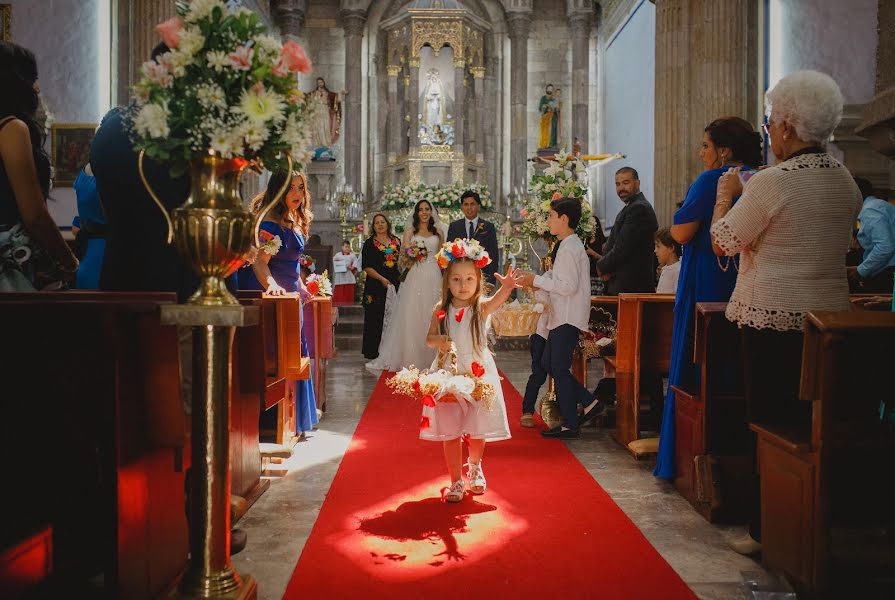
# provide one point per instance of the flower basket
(516, 319)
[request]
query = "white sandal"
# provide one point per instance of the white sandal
(456, 491)
(476, 477)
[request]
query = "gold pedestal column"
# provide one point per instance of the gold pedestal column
(209, 574)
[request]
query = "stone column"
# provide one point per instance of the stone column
(136, 38)
(289, 16)
(519, 24)
(491, 142)
(478, 83)
(394, 126)
(878, 119)
(580, 24)
(353, 22)
(459, 107)
(705, 68)
(413, 107)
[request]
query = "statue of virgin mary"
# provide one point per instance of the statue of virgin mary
(434, 100)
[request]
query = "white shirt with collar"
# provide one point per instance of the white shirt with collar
(466, 222)
(568, 285)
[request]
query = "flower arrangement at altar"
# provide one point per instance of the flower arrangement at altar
(319, 285)
(442, 385)
(446, 197)
(307, 261)
(463, 248)
(225, 87)
(417, 252)
(566, 177)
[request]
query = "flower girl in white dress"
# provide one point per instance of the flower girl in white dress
(460, 322)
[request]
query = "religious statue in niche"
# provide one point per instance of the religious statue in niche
(327, 120)
(435, 125)
(550, 108)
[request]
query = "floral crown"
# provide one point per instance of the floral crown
(462, 248)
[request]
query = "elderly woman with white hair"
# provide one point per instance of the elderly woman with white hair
(792, 227)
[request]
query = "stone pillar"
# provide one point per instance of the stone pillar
(878, 119)
(289, 16)
(137, 37)
(491, 140)
(353, 22)
(413, 107)
(705, 68)
(459, 107)
(580, 24)
(519, 24)
(394, 126)
(478, 88)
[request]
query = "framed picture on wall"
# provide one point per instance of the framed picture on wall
(71, 150)
(5, 18)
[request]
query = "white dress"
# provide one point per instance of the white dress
(448, 421)
(404, 339)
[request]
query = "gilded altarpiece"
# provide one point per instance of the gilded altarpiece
(435, 101)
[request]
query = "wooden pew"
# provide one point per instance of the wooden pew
(290, 364)
(93, 437)
(712, 462)
(835, 471)
(318, 328)
(642, 355)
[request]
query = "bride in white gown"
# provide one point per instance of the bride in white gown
(404, 338)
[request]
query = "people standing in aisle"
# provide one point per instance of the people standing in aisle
(379, 258)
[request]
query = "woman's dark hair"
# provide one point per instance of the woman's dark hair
(738, 135)
(388, 225)
(571, 207)
(416, 218)
(18, 72)
(663, 236)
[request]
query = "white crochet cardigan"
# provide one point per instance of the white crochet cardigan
(792, 227)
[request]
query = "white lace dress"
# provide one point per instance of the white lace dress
(449, 420)
(404, 339)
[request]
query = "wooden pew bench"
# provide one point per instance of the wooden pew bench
(94, 403)
(318, 328)
(835, 471)
(642, 358)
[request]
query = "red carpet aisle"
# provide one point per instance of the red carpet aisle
(543, 528)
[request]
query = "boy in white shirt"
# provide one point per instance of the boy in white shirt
(568, 284)
(668, 252)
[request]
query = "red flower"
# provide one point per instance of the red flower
(477, 369)
(416, 386)
(424, 423)
(428, 401)
(441, 315)
(459, 315)
(482, 262)
(265, 235)
(313, 288)
(458, 251)
(556, 196)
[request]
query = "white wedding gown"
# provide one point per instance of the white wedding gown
(404, 339)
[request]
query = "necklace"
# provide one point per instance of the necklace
(726, 265)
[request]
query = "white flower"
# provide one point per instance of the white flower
(223, 142)
(176, 61)
(254, 134)
(553, 170)
(211, 95)
(272, 246)
(538, 308)
(152, 120)
(199, 9)
(269, 44)
(261, 105)
(217, 60)
(191, 41)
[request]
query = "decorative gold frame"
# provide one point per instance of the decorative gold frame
(5, 21)
(66, 169)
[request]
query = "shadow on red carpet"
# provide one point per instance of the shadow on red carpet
(544, 527)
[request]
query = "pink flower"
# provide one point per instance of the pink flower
(556, 196)
(280, 69)
(241, 59)
(295, 58)
(170, 31)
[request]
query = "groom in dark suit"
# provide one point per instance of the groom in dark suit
(473, 227)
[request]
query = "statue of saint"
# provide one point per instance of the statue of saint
(433, 96)
(327, 118)
(549, 123)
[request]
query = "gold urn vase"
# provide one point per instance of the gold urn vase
(213, 230)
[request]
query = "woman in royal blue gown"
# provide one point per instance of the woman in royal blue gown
(278, 273)
(726, 142)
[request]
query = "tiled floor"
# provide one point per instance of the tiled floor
(280, 522)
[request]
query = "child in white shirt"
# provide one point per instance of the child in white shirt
(345, 267)
(668, 252)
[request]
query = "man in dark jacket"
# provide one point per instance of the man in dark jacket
(478, 229)
(628, 260)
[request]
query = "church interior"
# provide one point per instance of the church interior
(235, 443)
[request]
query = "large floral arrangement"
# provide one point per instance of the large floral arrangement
(446, 197)
(226, 87)
(566, 177)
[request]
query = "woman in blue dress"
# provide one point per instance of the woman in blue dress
(726, 142)
(93, 223)
(278, 273)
